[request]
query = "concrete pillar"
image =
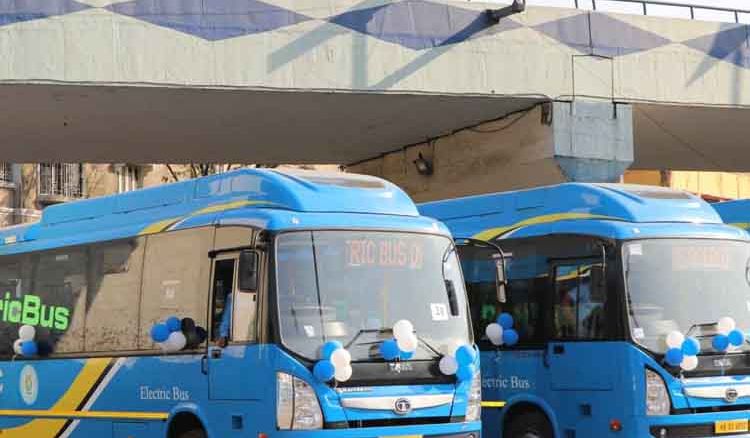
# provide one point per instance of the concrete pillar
(589, 141)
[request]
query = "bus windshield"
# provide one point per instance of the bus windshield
(352, 286)
(685, 285)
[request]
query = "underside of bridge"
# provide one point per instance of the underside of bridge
(64, 123)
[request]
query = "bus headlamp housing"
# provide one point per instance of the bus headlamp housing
(297, 406)
(474, 405)
(657, 396)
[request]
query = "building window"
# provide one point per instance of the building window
(6, 173)
(61, 180)
(128, 178)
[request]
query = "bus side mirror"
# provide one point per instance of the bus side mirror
(500, 280)
(248, 271)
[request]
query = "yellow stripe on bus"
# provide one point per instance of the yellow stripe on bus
(38, 413)
(544, 219)
(493, 404)
(84, 382)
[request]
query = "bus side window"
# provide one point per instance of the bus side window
(176, 272)
(579, 302)
(522, 296)
(221, 308)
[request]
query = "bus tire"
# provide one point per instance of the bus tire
(186, 426)
(528, 424)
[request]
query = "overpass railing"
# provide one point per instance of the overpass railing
(693, 10)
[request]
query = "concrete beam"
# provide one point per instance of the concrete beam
(547, 144)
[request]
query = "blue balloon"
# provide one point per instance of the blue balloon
(159, 332)
(324, 370)
(510, 337)
(691, 347)
(389, 349)
(720, 343)
(174, 324)
(406, 355)
(505, 320)
(328, 348)
(465, 355)
(674, 357)
(29, 348)
(466, 373)
(736, 338)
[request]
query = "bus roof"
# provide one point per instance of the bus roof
(735, 213)
(203, 201)
(558, 205)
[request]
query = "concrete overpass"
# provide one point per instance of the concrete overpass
(350, 81)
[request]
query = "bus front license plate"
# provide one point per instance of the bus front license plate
(731, 426)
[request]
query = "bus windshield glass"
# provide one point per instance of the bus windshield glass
(685, 285)
(352, 286)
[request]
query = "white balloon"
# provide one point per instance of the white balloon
(448, 365)
(726, 325)
(408, 344)
(343, 374)
(402, 329)
(17, 346)
(689, 363)
(494, 332)
(175, 342)
(449, 349)
(341, 358)
(26, 333)
(675, 339)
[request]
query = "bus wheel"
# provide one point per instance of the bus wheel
(186, 426)
(529, 424)
(193, 433)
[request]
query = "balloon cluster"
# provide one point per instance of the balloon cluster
(336, 363)
(460, 360)
(176, 334)
(25, 345)
(682, 352)
(502, 332)
(404, 343)
(728, 335)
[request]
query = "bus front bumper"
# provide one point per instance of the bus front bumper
(452, 430)
(697, 425)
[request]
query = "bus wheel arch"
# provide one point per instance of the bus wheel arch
(527, 420)
(186, 425)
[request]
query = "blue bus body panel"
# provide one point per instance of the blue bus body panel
(147, 391)
(263, 198)
(492, 215)
(592, 383)
(735, 213)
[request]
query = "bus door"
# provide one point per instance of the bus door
(579, 362)
(578, 327)
(232, 350)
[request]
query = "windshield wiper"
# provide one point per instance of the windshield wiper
(422, 341)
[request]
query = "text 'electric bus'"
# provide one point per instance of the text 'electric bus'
(254, 303)
(631, 305)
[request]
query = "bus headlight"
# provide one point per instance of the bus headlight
(657, 396)
(297, 405)
(474, 406)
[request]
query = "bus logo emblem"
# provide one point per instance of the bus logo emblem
(402, 406)
(731, 395)
(29, 385)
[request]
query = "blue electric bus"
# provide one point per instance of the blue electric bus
(255, 303)
(631, 305)
(735, 213)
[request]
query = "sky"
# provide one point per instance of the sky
(653, 9)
